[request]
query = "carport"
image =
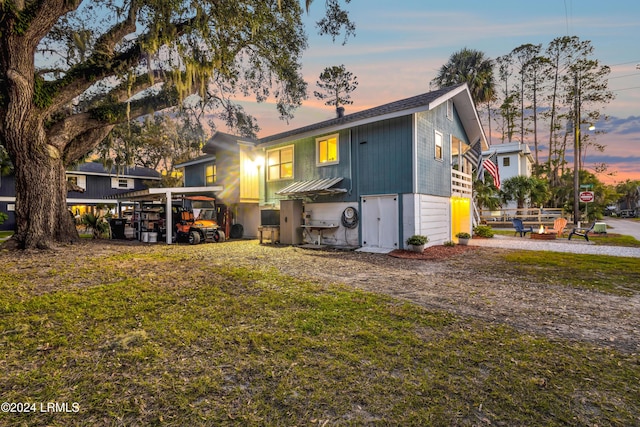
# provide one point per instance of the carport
(165, 195)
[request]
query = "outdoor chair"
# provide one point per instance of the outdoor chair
(559, 225)
(582, 232)
(519, 226)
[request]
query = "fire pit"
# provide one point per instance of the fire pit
(542, 234)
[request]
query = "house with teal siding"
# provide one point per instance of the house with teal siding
(376, 177)
(369, 179)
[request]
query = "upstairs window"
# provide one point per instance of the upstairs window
(506, 161)
(122, 183)
(449, 109)
(280, 163)
(79, 180)
(210, 172)
(327, 150)
(438, 144)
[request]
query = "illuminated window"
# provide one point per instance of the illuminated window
(280, 163)
(438, 140)
(210, 174)
(327, 150)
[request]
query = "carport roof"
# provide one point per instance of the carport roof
(152, 194)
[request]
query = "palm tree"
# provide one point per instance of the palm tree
(525, 190)
(470, 67)
(476, 70)
(629, 193)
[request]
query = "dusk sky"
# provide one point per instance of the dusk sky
(400, 45)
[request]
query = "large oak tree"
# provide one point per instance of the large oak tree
(70, 70)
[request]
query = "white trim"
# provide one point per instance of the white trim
(293, 163)
(143, 177)
(81, 180)
(435, 145)
(327, 138)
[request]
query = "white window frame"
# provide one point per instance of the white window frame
(327, 138)
(449, 109)
(293, 160)
(81, 180)
(506, 161)
(116, 182)
(438, 141)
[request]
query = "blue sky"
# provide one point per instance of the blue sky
(400, 45)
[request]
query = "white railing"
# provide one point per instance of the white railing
(529, 216)
(461, 184)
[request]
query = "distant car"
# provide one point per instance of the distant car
(628, 213)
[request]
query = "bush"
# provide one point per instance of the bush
(463, 235)
(3, 217)
(417, 240)
(483, 231)
(449, 243)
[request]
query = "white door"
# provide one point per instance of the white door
(380, 222)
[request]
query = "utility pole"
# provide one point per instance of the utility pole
(576, 154)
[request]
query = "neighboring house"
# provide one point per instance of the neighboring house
(371, 178)
(514, 159)
(93, 182)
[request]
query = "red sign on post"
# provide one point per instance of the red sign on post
(586, 196)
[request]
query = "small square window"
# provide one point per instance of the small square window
(506, 161)
(327, 152)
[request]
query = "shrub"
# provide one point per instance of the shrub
(417, 240)
(463, 235)
(483, 231)
(3, 217)
(449, 243)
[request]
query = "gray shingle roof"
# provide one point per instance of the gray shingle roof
(407, 104)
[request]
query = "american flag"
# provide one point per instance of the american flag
(490, 164)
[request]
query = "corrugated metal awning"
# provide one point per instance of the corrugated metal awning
(316, 187)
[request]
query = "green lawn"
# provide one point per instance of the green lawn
(160, 337)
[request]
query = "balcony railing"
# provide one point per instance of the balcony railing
(461, 184)
(529, 216)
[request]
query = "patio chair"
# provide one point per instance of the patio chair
(559, 225)
(519, 226)
(582, 232)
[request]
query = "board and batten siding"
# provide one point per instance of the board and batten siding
(305, 168)
(382, 156)
(426, 215)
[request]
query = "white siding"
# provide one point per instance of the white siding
(332, 213)
(426, 215)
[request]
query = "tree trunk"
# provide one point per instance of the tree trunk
(42, 216)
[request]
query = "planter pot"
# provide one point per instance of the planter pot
(462, 241)
(417, 248)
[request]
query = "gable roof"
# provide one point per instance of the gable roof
(459, 94)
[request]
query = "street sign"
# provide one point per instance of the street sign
(586, 186)
(586, 196)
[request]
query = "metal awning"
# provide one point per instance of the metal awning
(316, 187)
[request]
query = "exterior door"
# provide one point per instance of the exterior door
(380, 222)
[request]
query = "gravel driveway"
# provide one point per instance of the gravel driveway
(468, 284)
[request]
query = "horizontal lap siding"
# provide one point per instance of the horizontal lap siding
(428, 216)
(434, 176)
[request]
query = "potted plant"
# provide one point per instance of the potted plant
(417, 243)
(463, 238)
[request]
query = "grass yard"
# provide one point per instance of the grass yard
(160, 336)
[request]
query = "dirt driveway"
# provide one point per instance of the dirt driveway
(469, 284)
